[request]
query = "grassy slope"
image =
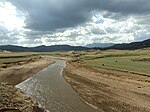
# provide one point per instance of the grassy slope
(123, 60)
(22, 56)
(13, 60)
(122, 63)
(4, 54)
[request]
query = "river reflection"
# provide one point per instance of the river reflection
(50, 89)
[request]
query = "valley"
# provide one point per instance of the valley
(109, 81)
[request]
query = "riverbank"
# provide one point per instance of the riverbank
(13, 99)
(17, 73)
(109, 90)
(49, 88)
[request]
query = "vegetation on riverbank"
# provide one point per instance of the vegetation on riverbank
(15, 68)
(134, 61)
(111, 80)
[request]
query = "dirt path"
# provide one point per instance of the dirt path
(108, 90)
(17, 73)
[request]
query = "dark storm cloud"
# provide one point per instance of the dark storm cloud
(46, 15)
(49, 15)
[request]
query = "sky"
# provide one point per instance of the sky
(73, 22)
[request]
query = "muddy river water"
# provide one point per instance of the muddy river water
(49, 88)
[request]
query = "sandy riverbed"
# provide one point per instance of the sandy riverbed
(108, 90)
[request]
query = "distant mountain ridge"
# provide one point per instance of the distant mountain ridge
(131, 46)
(42, 48)
(101, 45)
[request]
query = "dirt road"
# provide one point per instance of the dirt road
(108, 90)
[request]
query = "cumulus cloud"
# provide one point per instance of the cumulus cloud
(11, 31)
(73, 22)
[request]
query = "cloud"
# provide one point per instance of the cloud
(55, 14)
(11, 31)
(73, 22)
(51, 15)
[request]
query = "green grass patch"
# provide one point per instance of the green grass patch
(11, 60)
(11, 54)
(121, 63)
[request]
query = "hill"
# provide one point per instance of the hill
(101, 45)
(131, 46)
(42, 48)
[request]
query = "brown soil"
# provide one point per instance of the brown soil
(16, 73)
(109, 90)
(14, 100)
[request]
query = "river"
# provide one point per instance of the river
(49, 88)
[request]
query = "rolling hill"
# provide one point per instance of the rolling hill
(101, 45)
(42, 48)
(131, 46)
